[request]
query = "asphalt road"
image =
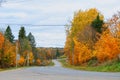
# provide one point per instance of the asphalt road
(55, 73)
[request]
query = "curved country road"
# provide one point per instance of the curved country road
(55, 73)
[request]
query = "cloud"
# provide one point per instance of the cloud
(43, 11)
(50, 12)
(17, 15)
(45, 39)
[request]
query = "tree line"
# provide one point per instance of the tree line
(22, 52)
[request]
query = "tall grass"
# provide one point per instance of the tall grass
(110, 66)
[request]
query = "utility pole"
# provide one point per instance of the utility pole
(16, 51)
(72, 52)
(28, 59)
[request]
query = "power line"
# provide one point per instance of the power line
(34, 24)
(17, 1)
(13, 1)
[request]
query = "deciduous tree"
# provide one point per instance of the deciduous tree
(107, 48)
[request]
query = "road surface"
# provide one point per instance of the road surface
(55, 73)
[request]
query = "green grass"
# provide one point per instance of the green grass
(22, 67)
(106, 67)
(62, 57)
(13, 68)
(51, 63)
(1, 69)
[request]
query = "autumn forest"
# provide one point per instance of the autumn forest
(23, 52)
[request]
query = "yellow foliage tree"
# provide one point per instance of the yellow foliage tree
(31, 58)
(80, 36)
(67, 50)
(83, 19)
(81, 52)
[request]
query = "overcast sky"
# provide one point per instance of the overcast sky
(49, 12)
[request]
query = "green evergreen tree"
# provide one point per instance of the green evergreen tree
(8, 34)
(57, 53)
(22, 40)
(22, 33)
(33, 44)
(97, 24)
(31, 39)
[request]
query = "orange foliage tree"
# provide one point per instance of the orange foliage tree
(107, 48)
(38, 62)
(21, 62)
(1, 46)
(82, 53)
(9, 54)
(1, 40)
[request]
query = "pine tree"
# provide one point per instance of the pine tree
(22, 40)
(31, 39)
(22, 33)
(57, 53)
(9, 35)
(97, 24)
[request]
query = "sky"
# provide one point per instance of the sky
(49, 12)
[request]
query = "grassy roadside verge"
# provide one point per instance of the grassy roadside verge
(14, 68)
(115, 67)
(51, 63)
(1, 69)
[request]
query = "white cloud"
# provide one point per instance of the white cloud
(13, 15)
(50, 12)
(44, 39)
